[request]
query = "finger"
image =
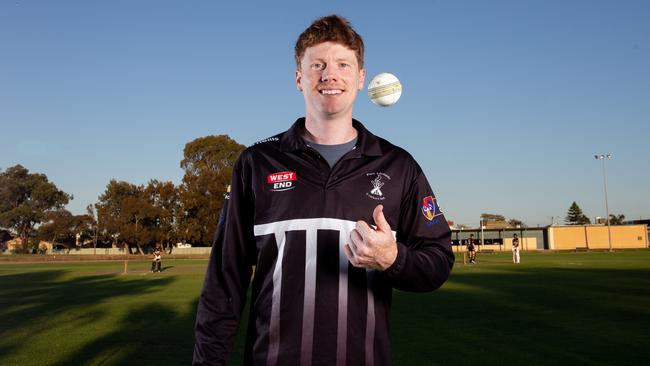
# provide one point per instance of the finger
(352, 245)
(356, 239)
(354, 260)
(364, 229)
(348, 253)
(380, 219)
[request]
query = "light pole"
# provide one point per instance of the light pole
(602, 157)
(482, 242)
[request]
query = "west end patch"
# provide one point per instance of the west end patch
(282, 181)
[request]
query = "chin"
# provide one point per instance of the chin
(333, 112)
(334, 108)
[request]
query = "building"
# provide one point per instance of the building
(597, 237)
(565, 237)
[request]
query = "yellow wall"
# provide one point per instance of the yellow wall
(596, 237)
(567, 237)
(524, 244)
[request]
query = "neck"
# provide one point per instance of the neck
(329, 132)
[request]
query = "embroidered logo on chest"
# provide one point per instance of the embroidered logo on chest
(377, 182)
(282, 181)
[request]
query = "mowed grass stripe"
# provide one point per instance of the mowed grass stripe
(563, 308)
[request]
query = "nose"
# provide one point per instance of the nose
(328, 74)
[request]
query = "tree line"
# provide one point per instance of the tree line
(126, 214)
(575, 216)
(135, 216)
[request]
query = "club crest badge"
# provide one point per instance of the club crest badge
(430, 208)
(377, 182)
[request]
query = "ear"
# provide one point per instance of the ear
(362, 78)
(299, 80)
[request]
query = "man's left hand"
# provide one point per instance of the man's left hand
(372, 248)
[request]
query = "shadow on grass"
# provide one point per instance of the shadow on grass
(541, 316)
(29, 300)
(153, 332)
(148, 335)
(518, 315)
(536, 316)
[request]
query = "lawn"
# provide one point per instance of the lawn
(553, 309)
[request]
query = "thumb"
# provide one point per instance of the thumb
(380, 220)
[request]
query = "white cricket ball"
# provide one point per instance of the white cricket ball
(384, 89)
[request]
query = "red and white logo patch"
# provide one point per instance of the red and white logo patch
(282, 181)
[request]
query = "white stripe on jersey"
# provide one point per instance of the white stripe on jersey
(311, 226)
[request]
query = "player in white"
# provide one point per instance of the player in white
(515, 249)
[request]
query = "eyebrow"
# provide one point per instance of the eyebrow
(338, 60)
(345, 59)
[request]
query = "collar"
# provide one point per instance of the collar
(367, 143)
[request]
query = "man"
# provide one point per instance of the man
(156, 261)
(301, 210)
(471, 249)
(515, 249)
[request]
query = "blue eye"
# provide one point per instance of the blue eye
(317, 66)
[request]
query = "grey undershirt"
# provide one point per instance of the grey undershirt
(332, 153)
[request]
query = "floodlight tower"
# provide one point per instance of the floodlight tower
(482, 227)
(602, 158)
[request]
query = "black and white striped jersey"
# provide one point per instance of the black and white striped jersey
(288, 217)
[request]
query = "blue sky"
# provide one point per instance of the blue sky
(504, 104)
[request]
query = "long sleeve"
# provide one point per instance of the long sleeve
(424, 255)
(227, 277)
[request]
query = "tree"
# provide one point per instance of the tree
(25, 200)
(125, 214)
(63, 227)
(208, 163)
(575, 216)
(57, 227)
(94, 223)
(165, 200)
(139, 215)
(616, 219)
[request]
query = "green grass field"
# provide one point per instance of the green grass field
(553, 309)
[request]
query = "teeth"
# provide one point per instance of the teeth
(336, 91)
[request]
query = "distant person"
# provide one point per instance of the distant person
(157, 259)
(515, 249)
(471, 249)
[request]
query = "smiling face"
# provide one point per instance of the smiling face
(329, 78)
